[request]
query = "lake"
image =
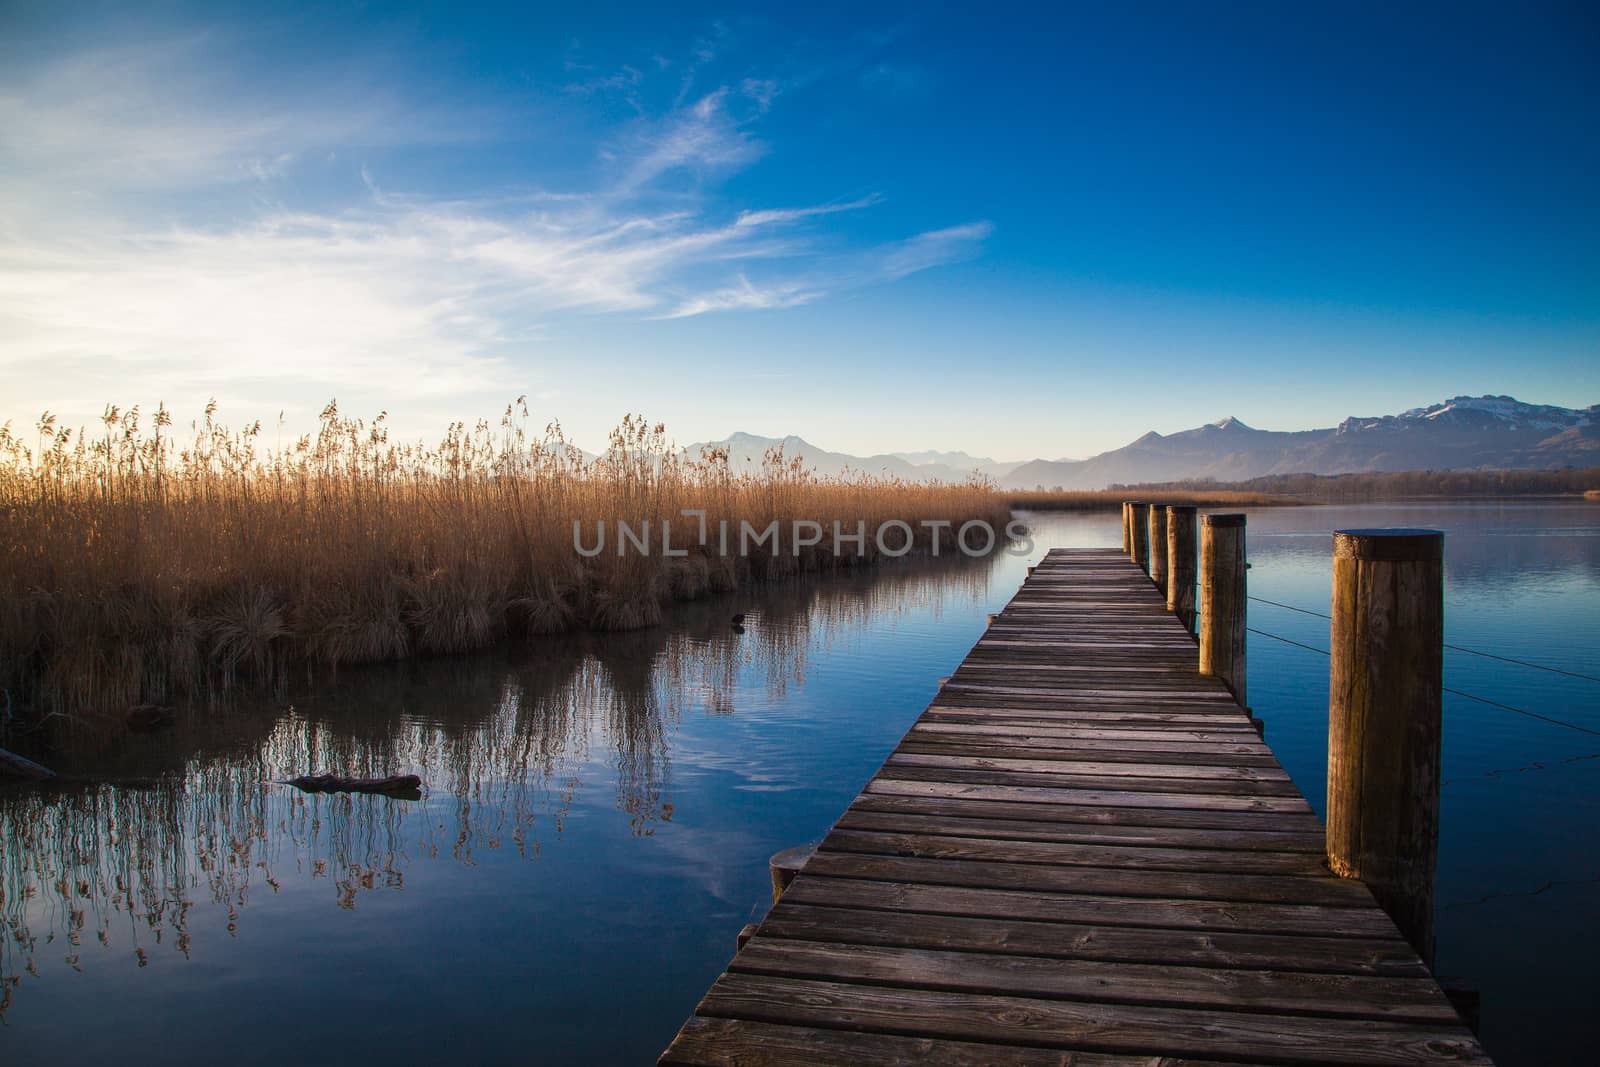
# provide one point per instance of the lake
(599, 809)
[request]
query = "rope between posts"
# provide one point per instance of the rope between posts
(1453, 692)
(1453, 648)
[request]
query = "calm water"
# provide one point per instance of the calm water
(599, 811)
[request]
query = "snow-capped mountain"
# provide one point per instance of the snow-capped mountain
(1463, 433)
(1490, 412)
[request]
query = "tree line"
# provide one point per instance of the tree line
(1387, 485)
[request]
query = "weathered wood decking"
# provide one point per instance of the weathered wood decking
(1081, 853)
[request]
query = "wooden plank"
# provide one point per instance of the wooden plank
(912, 786)
(1105, 981)
(1235, 950)
(1094, 1027)
(1077, 751)
(1211, 792)
(1073, 815)
(741, 1042)
(1204, 724)
(979, 739)
(1000, 722)
(1328, 891)
(863, 816)
(1093, 909)
(1074, 854)
(1199, 769)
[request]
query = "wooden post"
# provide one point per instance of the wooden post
(1139, 514)
(1384, 697)
(1181, 562)
(1158, 546)
(785, 865)
(1127, 532)
(1223, 600)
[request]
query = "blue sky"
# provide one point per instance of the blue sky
(1012, 230)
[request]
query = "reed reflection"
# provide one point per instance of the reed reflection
(118, 862)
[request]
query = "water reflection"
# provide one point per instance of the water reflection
(116, 864)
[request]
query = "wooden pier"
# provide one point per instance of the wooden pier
(1081, 853)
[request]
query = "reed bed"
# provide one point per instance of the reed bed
(1102, 499)
(143, 566)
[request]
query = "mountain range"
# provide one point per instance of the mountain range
(745, 452)
(1463, 433)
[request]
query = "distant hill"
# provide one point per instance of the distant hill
(745, 451)
(1464, 433)
(960, 461)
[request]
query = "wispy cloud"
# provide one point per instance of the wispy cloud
(701, 138)
(933, 249)
(781, 215)
(151, 238)
(745, 296)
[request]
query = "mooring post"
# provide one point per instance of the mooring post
(1127, 535)
(1139, 519)
(785, 865)
(1181, 562)
(1384, 697)
(1223, 600)
(1158, 545)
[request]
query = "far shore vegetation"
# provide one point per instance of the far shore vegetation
(1375, 485)
(142, 566)
(1104, 499)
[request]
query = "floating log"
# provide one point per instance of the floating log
(333, 783)
(16, 766)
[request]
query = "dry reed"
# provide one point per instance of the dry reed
(138, 567)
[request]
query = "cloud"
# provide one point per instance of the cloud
(782, 215)
(935, 248)
(701, 138)
(745, 296)
(154, 236)
(160, 116)
(887, 263)
(760, 90)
